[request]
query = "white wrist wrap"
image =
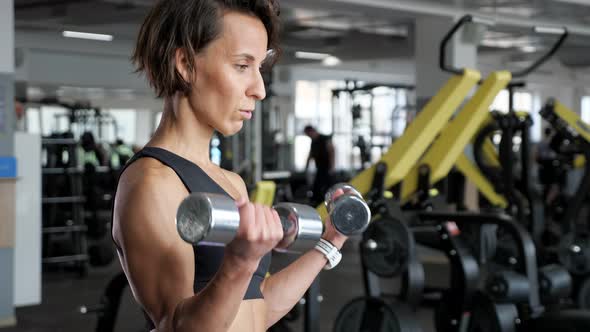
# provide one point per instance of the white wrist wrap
(330, 251)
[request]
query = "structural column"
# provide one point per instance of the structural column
(461, 53)
(7, 163)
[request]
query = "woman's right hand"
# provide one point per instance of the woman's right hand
(259, 232)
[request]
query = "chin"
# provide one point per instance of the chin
(231, 130)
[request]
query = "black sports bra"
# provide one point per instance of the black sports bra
(207, 258)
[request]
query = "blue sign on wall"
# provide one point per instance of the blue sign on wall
(7, 167)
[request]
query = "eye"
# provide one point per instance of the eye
(242, 67)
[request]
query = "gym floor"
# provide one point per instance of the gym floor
(63, 294)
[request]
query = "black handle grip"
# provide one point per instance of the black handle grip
(563, 32)
(443, 45)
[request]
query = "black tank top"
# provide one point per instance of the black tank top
(207, 258)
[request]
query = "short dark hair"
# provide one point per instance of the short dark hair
(308, 128)
(191, 25)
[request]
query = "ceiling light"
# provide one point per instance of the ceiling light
(483, 21)
(311, 55)
(528, 49)
(575, 2)
(507, 42)
(331, 61)
(86, 35)
(549, 30)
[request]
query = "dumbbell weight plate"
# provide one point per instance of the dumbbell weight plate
(211, 216)
(349, 213)
(386, 246)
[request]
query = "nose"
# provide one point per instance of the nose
(256, 89)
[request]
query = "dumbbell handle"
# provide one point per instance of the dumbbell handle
(213, 219)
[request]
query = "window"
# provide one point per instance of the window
(54, 119)
(586, 109)
(501, 104)
(125, 128)
(376, 115)
(33, 120)
(313, 106)
(522, 101)
(400, 113)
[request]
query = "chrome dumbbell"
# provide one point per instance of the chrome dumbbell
(348, 212)
(213, 219)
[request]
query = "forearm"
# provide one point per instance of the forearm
(216, 306)
(284, 289)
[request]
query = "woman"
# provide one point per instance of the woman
(204, 58)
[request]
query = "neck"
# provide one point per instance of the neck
(181, 132)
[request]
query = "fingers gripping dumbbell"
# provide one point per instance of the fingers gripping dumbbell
(214, 219)
(349, 213)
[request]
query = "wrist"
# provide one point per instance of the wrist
(238, 264)
(330, 252)
(335, 240)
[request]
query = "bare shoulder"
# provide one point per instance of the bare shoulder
(147, 191)
(237, 182)
(144, 229)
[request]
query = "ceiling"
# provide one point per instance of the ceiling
(351, 34)
(348, 29)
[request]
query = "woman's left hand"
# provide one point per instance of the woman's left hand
(330, 232)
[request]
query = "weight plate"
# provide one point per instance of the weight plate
(386, 246)
(367, 314)
(574, 253)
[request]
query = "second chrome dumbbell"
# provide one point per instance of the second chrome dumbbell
(348, 212)
(214, 219)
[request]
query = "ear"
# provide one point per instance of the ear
(182, 65)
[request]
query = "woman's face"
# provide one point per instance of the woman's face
(227, 75)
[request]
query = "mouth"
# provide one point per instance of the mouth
(247, 114)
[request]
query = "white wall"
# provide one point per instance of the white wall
(27, 248)
(49, 61)
(7, 37)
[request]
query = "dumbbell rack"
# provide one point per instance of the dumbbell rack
(72, 229)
